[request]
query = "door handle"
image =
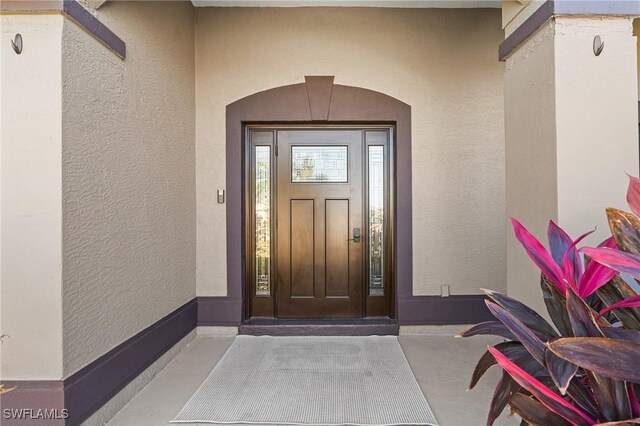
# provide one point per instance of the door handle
(356, 235)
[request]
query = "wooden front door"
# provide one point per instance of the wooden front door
(318, 233)
(320, 222)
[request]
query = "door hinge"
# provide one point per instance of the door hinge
(276, 150)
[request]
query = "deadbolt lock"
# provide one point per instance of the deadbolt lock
(356, 235)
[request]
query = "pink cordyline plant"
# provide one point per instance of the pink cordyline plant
(585, 368)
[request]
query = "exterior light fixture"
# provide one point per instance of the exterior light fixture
(16, 43)
(598, 45)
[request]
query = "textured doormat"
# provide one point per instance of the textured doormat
(310, 381)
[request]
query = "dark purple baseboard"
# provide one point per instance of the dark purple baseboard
(436, 310)
(219, 311)
(412, 310)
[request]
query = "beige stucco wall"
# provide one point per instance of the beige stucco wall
(31, 247)
(597, 120)
(530, 155)
(441, 62)
(128, 176)
(571, 133)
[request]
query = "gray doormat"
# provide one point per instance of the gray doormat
(310, 381)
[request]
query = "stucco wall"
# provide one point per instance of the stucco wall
(571, 132)
(128, 176)
(30, 132)
(442, 62)
(531, 159)
(597, 120)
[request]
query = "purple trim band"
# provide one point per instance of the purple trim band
(86, 20)
(525, 30)
(565, 7)
(219, 311)
(413, 310)
(74, 11)
(436, 310)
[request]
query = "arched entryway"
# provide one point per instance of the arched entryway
(319, 102)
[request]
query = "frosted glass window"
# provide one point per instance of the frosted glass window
(319, 164)
(376, 220)
(263, 220)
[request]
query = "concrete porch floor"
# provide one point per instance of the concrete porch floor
(441, 364)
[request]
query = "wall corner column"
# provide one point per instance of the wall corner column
(571, 132)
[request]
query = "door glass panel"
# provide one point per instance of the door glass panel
(314, 164)
(376, 220)
(263, 219)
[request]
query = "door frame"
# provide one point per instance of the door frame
(372, 306)
(317, 99)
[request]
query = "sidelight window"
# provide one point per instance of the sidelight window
(376, 220)
(263, 220)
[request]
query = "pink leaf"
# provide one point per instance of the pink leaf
(559, 241)
(572, 264)
(620, 261)
(546, 396)
(595, 277)
(539, 255)
(631, 302)
(609, 242)
(633, 194)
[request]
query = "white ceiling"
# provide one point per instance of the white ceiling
(349, 3)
